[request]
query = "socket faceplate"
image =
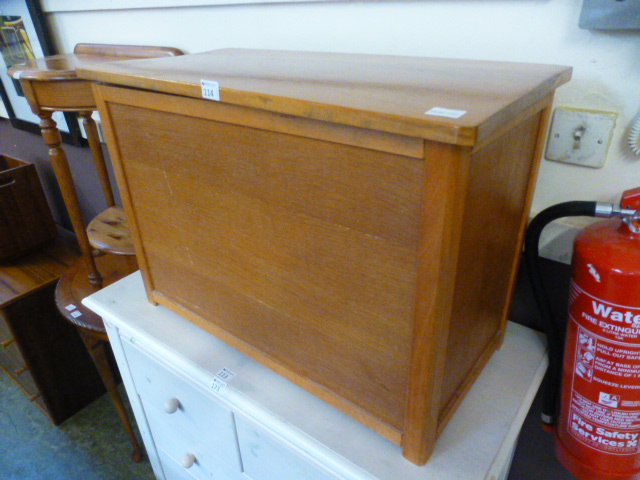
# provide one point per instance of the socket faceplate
(580, 137)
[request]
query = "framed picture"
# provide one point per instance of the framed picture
(24, 36)
(4, 101)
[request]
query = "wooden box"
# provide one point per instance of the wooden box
(25, 217)
(39, 350)
(353, 222)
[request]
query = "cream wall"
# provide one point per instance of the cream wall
(606, 65)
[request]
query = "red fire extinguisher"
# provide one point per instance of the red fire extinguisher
(597, 425)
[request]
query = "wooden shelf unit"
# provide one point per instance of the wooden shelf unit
(40, 351)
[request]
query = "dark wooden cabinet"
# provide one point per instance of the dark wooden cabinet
(39, 350)
(25, 217)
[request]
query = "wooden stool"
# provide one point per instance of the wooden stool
(51, 84)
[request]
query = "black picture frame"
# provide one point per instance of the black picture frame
(5, 99)
(24, 35)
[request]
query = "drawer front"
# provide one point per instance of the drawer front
(266, 458)
(64, 94)
(179, 465)
(171, 469)
(197, 423)
(178, 444)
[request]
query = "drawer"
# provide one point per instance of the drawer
(264, 457)
(172, 470)
(177, 464)
(196, 422)
(177, 444)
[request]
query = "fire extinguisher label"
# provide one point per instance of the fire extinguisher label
(604, 410)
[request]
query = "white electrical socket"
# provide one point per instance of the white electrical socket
(580, 137)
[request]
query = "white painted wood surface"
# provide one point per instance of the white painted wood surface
(477, 443)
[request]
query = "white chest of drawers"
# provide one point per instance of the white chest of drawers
(206, 411)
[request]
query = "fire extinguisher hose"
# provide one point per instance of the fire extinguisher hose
(553, 327)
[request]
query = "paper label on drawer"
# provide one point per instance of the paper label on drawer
(445, 112)
(210, 90)
(226, 375)
(218, 385)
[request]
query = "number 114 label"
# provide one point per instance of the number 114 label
(210, 90)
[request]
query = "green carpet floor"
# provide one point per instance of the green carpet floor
(91, 445)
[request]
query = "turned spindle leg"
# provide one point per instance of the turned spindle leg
(51, 136)
(97, 350)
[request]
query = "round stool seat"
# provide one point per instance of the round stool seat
(109, 232)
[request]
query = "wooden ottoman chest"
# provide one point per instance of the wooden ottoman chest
(354, 222)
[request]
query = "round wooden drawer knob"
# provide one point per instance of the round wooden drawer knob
(172, 405)
(188, 460)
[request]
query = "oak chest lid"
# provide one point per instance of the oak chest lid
(454, 101)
